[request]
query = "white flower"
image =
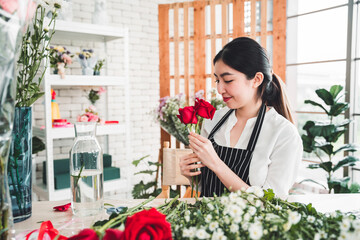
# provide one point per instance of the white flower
(218, 235)
(245, 226)
(187, 218)
(192, 232)
(233, 197)
(208, 218)
(356, 224)
(234, 228)
(255, 231)
(311, 219)
(258, 203)
(235, 210)
(252, 210)
(187, 213)
(247, 217)
(224, 200)
(345, 224)
(202, 234)
(294, 217)
(287, 226)
(257, 191)
(186, 232)
(210, 206)
(278, 207)
(237, 219)
(213, 226)
(227, 219)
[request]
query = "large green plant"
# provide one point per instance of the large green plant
(322, 136)
(34, 49)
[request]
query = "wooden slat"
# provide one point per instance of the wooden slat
(186, 51)
(223, 23)
(164, 58)
(263, 23)
(219, 36)
(279, 38)
(253, 19)
(199, 46)
(213, 39)
(176, 48)
(238, 18)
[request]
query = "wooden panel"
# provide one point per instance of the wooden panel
(263, 22)
(253, 19)
(176, 48)
(279, 38)
(186, 50)
(223, 23)
(238, 18)
(164, 58)
(213, 39)
(199, 46)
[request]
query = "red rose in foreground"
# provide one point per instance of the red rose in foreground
(86, 234)
(187, 115)
(62, 208)
(204, 109)
(146, 225)
(113, 234)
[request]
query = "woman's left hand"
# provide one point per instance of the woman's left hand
(204, 149)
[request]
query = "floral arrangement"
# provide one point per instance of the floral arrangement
(251, 214)
(87, 60)
(90, 115)
(99, 64)
(59, 58)
(168, 109)
(94, 95)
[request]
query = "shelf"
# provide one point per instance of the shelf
(86, 31)
(41, 189)
(69, 132)
(84, 80)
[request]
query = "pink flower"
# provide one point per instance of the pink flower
(101, 90)
(92, 108)
(102, 121)
(9, 6)
(84, 118)
(67, 59)
(93, 117)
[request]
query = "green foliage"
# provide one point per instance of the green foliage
(322, 136)
(99, 64)
(37, 145)
(34, 50)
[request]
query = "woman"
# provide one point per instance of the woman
(252, 141)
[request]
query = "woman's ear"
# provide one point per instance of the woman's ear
(258, 79)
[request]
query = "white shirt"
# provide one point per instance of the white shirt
(277, 154)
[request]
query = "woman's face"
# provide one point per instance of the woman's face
(237, 91)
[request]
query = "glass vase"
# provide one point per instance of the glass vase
(87, 71)
(86, 171)
(20, 164)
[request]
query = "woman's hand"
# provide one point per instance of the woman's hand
(187, 165)
(204, 150)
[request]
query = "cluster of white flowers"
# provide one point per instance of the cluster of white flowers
(248, 215)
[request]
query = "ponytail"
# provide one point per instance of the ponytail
(275, 96)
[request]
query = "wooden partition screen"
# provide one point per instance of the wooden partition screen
(191, 33)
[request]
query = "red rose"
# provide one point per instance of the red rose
(113, 234)
(187, 115)
(146, 225)
(204, 109)
(86, 234)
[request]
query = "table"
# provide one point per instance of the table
(69, 225)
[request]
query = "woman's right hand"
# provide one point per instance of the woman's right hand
(187, 165)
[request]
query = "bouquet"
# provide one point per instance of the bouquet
(98, 66)
(168, 109)
(90, 115)
(87, 60)
(59, 58)
(94, 95)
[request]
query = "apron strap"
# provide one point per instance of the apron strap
(220, 123)
(256, 131)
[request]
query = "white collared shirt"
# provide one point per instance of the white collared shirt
(277, 154)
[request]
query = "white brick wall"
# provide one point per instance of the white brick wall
(141, 17)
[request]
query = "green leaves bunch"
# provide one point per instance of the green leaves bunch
(34, 49)
(322, 136)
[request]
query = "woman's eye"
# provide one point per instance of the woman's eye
(228, 81)
(217, 81)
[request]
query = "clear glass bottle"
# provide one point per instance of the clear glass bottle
(86, 171)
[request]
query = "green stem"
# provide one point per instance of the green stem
(79, 175)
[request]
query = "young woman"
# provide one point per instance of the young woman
(252, 141)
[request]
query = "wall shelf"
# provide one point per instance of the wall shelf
(83, 80)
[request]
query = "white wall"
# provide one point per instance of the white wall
(141, 17)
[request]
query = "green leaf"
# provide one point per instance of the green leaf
(308, 125)
(347, 148)
(322, 129)
(343, 123)
(327, 166)
(34, 97)
(326, 147)
(154, 164)
(314, 166)
(347, 161)
(335, 90)
(326, 96)
(339, 185)
(136, 162)
(338, 108)
(316, 104)
(308, 143)
(310, 180)
(150, 172)
(354, 188)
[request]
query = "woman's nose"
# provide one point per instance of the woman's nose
(220, 88)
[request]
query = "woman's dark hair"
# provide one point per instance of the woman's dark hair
(248, 57)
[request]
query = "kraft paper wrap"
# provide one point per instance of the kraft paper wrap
(171, 168)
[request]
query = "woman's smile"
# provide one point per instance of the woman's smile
(226, 99)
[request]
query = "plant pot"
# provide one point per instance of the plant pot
(20, 164)
(96, 73)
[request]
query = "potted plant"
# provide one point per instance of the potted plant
(321, 137)
(34, 50)
(98, 66)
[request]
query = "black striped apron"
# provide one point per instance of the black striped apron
(238, 160)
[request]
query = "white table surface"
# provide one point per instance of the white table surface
(69, 225)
